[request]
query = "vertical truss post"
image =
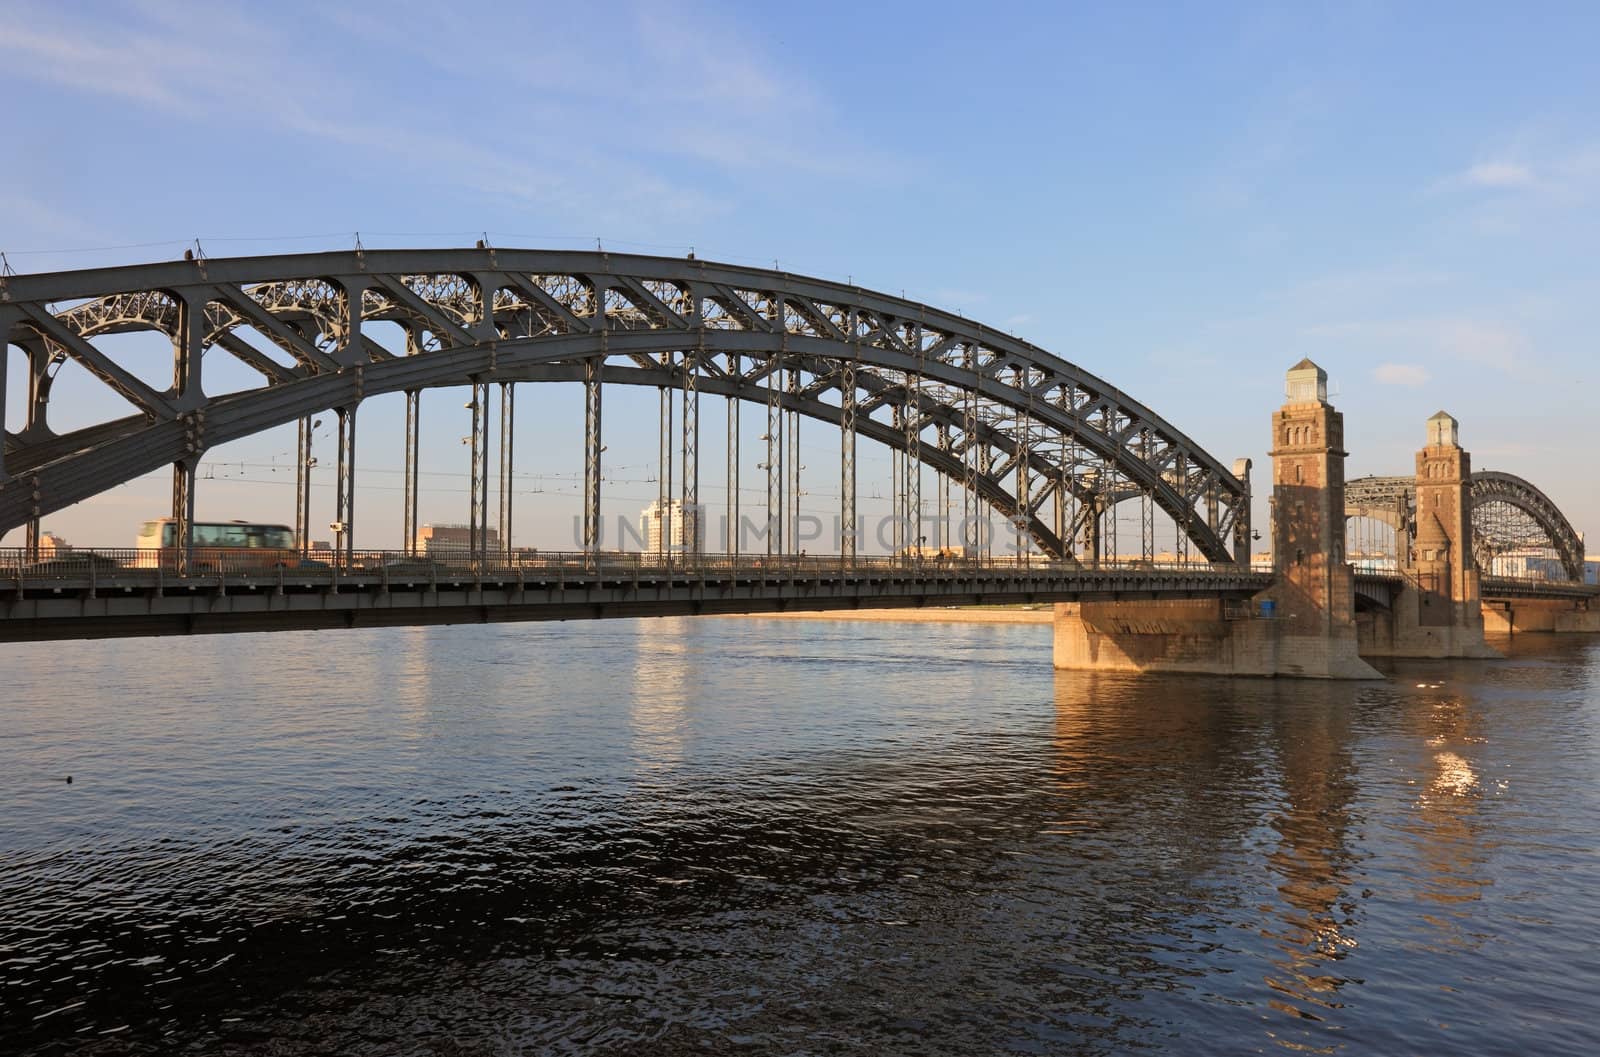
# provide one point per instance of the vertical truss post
(38, 411)
(413, 454)
(664, 472)
(986, 470)
(344, 491)
(774, 439)
(303, 462)
(182, 513)
(897, 490)
(508, 402)
(1147, 506)
(943, 524)
(1024, 480)
(1110, 521)
(1069, 482)
(478, 503)
(1060, 520)
(591, 455)
(1241, 518)
(970, 455)
(794, 464)
(1147, 525)
(1091, 530)
(847, 463)
(689, 509)
(912, 427)
(1186, 523)
(731, 529)
(1402, 534)
(187, 347)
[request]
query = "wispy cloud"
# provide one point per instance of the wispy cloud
(1400, 374)
(1482, 343)
(1534, 169)
(1501, 174)
(574, 131)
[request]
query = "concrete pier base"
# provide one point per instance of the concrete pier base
(1424, 627)
(1540, 615)
(1198, 636)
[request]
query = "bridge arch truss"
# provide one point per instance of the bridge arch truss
(1046, 444)
(1509, 514)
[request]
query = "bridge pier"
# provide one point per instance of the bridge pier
(1522, 615)
(1303, 626)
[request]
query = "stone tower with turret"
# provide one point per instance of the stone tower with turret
(1314, 597)
(1441, 562)
(1308, 503)
(1302, 625)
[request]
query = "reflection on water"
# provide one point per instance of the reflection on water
(682, 836)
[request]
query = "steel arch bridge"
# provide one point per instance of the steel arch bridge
(1508, 513)
(1045, 443)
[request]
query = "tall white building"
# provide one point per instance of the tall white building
(683, 527)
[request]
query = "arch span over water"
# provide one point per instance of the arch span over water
(1017, 427)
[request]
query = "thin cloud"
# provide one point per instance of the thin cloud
(1531, 176)
(1400, 374)
(1483, 343)
(1499, 175)
(722, 105)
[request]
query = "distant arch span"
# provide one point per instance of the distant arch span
(1393, 500)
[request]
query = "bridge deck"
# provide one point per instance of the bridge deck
(83, 597)
(1530, 587)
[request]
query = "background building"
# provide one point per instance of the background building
(684, 528)
(53, 546)
(452, 539)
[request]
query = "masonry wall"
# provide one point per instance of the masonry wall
(1521, 616)
(1199, 637)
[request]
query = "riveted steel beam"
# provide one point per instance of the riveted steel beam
(413, 454)
(592, 449)
(507, 462)
(731, 533)
(344, 489)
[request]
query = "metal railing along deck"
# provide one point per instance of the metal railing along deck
(146, 567)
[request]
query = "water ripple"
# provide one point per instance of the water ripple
(689, 836)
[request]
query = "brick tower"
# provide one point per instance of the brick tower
(1441, 555)
(1311, 602)
(1308, 504)
(1314, 597)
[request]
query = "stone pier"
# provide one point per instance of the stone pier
(1304, 625)
(1517, 616)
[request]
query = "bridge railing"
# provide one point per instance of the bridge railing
(21, 569)
(1527, 578)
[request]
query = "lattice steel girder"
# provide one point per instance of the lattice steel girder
(638, 299)
(592, 450)
(1393, 500)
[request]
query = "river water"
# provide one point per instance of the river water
(786, 837)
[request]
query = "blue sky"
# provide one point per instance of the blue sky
(1184, 200)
